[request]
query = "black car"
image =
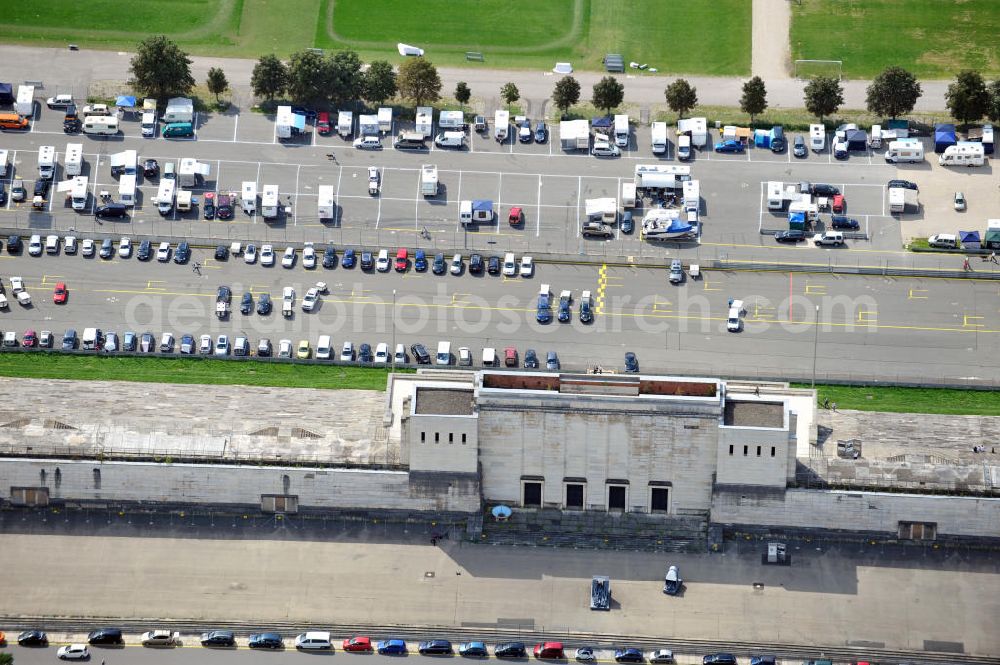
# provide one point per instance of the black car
(822, 189)
(111, 210)
(3, 194)
(329, 257)
(105, 636)
(719, 659)
(246, 303)
(264, 304)
(33, 638)
(365, 354)
(419, 353)
(763, 660)
(367, 261)
(218, 638)
(14, 245)
(266, 641)
(348, 260)
(223, 294)
(629, 655)
(541, 133)
(70, 113)
(69, 340)
(493, 265)
(791, 235)
(183, 253)
(631, 363)
(476, 264)
(42, 187)
(439, 266)
(208, 207)
(72, 126)
(107, 248)
(799, 147)
(905, 184)
(151, 169)
(845, 223)
(530, 359)
(510, 650)
(627, 225)
(221, 253)
(145, 251)
(435, 648)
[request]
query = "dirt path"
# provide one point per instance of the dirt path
(771, 56)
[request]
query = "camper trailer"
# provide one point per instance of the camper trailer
(248, 197)
(384, 119)
(424, 121)
(901, 200)
(817, 137)
(25, 104)
(696, 128)
(621, 130)
(501, 125)
(628, 195)
(905, 150)
(165, 197)
(74, 159)
(126, 189)
(192, 172)
(269, 202)
(429, 180)
(101, 125)
(574, 135)
(659, 141)
(325, 202)
(179, 109)
(345, 124)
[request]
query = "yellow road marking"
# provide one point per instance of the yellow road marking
(762, 312)
(970, 321)
(914, 294)
(602, 285)
(459, 297)
(665, 305)
(150, 285)
(867, 316)
(815, 289)
(708, 285)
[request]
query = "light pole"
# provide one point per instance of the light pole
(815, 346)
(393, 314)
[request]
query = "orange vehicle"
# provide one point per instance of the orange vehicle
(13, 121)
(516, 216)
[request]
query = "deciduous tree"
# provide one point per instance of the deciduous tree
(967, 97)
(345, 78)
(681, 97)
(566, 93)
(608, 93)
(509, 93)
(754, 99)
(894, 92)
(823, 96)
(160, 69)
(270, 77)
(462, 93)
(418, 80)
(307, 77)
(379, 82)
(217, 82)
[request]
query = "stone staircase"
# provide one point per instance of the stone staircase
(596, 530)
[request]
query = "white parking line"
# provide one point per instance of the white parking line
(459, 198)
(538, 212)
(236, 125)
(378, 215)
(499, 197)
(416, 202)
(295, 206)
(336, 197)
(579, 195)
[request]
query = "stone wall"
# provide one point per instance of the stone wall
(125, 482)
(869, 512)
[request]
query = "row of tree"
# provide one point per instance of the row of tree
(161, 69)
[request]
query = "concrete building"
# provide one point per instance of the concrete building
(652, 461)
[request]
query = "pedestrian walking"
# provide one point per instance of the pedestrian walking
(993, 257)
(965, 266)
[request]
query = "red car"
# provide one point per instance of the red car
(516, 216)
(553, 650)
(401, 260)
(357, 643)
(30, 339)
(838, 203)
(510, 360)
(59, 294)
(323, 127)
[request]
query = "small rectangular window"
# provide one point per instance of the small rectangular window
(437, 437)
(772, 451)
(463, 437)
(423, 438)
(758, 451)
(451, 439)
(746, 450)
(574, 496)
(658, 500)
(616, 497)
(532, 494)
(730, 449)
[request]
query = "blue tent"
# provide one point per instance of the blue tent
(969, 239)
(6, 93)
(604, 122)
(857, 139)
(762, 138)
(125, 101)
(298, 122)
(944, 136)
(797, 221)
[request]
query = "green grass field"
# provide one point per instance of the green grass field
(931, 38)
(528, 34)
(189, 370)
(911, 400)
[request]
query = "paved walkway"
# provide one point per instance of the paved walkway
(62, 70)
(770, 53)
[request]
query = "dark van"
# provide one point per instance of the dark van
(111, 210)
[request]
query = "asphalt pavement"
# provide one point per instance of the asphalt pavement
(864, 327)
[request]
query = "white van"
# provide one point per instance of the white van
(314, 640)
(490, 357)
(621, 130)
(91, 338)
(443, 356)
(149, 124)
(509, 265)
(450, 140)
(324, 348)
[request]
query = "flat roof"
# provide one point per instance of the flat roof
(223, 424)
(739, 413)
(444, 401)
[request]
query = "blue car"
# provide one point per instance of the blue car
(348, 260)
(564, 311)
(544, 311)
(729, 146)
(473, 650)
(420, 261)
(391, 647)
(627, 225)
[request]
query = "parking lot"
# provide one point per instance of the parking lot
(550, 186)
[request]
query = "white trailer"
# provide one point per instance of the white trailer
(183, 200)
(345, 124)
(501, 125)
(288, 124)
(106, 125)
(179, 109)
(191, 172)
(603, 210)
(963, 154)
(692, 196)
(47, 162)
(76, 191)
(4, 163)
(74, 159)
(269, 202)
(817, 137)
(628, 195)
(248, 196)
(425, 121)
(165, 196)
(805, 206)
(126, 189)
(696, 128)
(453, 120)
(429, 179)
(905, 150)
(661, 176)
(25, 104)
(902, 199)
(368, 125)
(325, 202)
(621, 130)
(384, 119)
(659, 138)
(574, 135)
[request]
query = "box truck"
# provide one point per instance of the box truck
(191, 172)
(248, 197)
(25, 104)
(621, 130)
(501, 125)
(905, 150)
(659, 141)
(179, 109)
(345, 124)
(902, 199)
(429, 180)
(74, 159)
(126, 189)
(963, 154)
(269, 202)
(574, 135)
(817, 137)
(325, 202)
(288, 124)
(165, 197)
(106, 125)
(425, 121)
(47, 162)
